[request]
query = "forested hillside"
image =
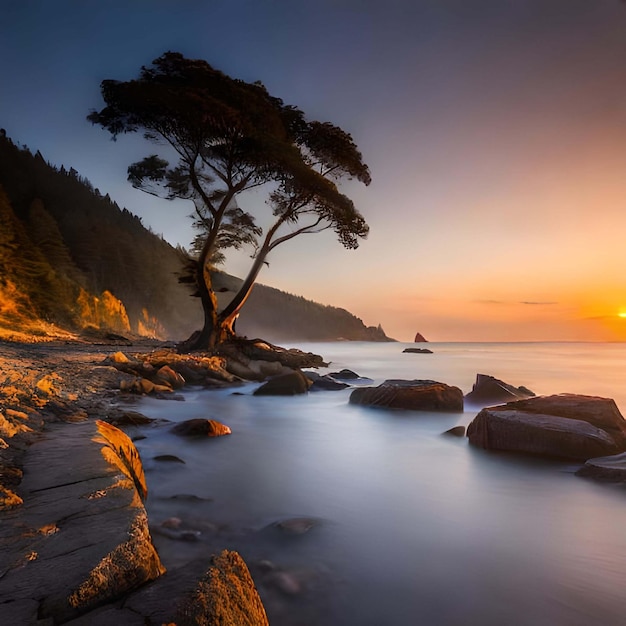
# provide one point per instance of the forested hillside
(71, 256)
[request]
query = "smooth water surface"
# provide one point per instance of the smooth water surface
(413, 527)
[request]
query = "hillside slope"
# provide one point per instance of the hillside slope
(70, 256)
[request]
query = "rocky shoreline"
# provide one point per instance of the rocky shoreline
(74, 536)
(75, 542)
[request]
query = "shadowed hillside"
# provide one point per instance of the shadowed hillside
(72, 257)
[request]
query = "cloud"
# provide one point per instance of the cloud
(542, 303)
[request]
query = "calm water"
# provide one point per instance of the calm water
(412, 527)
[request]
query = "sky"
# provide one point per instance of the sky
(495, 132)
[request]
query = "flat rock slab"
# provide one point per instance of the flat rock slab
(81, 537)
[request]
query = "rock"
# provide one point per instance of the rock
(129, 418)
(200, 428)
(418, 350)
(601, 412)
(419, 338)
(606, 468)
(327, 383)
(118, 357)
(488, 391)
(89, 542)
(167, 376)
(566, 425)
(290, 384)
(285, 582)
(296, 525)
(170, 458)
(457, 431)
(344, 374)
(225, 596)
(416, 395)
(172, 522)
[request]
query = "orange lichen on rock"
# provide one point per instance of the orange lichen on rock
(9, 499)
(126, 567)
(226, 595)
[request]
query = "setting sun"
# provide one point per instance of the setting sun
(621, 315)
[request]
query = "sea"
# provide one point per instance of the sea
(404, 525)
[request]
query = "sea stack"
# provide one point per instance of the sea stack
(419, 338)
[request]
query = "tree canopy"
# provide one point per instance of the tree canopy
(228, 136)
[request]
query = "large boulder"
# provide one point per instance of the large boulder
(565, 425)
(601, 412)
(419, 338)
(290, 384)
(488, 391)
(416, 395)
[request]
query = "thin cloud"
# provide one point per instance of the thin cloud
(541, 303)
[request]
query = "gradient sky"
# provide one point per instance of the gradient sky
(495, 131)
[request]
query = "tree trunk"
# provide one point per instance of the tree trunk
(208, 337)
(229, 315)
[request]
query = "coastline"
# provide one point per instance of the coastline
(69, 504)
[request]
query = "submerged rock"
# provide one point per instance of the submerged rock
(291, 384)
(488, 390)
(566, 425)
(416, 395)
(606, 468)
(417, 351)
(327, 383)
(344, 374)
(456, 431)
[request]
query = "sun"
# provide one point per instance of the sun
(621, 315)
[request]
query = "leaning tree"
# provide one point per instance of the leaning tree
(228, 136)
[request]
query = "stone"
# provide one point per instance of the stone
(489, 391)
(416, 395)
(167, 376)
(89, 542)
(169, 458)
(225, 596)
(417, 351)
(606, 468)
(285, 582)
(200, 428)
(566, 425)
(327, 383)
(456, 431)
(344, 374)
(129, 418)
(296, 525)
(601, 412)
(419, 338)
(291, 384)
(118, 357)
